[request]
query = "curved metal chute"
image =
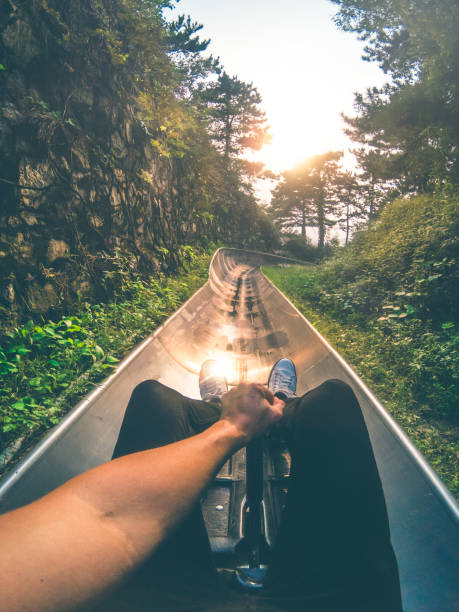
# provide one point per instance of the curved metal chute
(240, 318)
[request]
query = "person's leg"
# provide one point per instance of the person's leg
(155, 416)
(334, 537)
(180, 574)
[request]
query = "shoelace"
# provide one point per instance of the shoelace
(282, 382)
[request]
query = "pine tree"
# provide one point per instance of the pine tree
(308, 195)
(237, 122)
(413, 121)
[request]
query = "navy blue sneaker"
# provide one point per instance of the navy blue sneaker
(282, 379)
(212, 381)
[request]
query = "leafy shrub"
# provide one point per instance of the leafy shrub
(388, 303)
(299, 248)
(302, 249)
(407, 259)
(411, 368)
(37, 363)
(45, 368)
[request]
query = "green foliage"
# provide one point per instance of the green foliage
(185, 48)
(307, 195)
(45, 368)
(412, 122)
(388, 303)
(299, 248)
(36, 354)
(413, 371)
(403, 266)
(236, 119)
(111, 133)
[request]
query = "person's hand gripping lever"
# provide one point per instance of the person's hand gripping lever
(256, 409)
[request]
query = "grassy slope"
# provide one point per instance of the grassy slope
(369, 352)
(45, 369)
(388, 304)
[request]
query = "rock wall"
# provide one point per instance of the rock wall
(79, 177)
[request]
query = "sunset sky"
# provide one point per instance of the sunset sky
(305, 69)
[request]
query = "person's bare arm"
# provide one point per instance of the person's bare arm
(68, 547)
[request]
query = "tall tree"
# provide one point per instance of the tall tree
(351, 208)
(237, 121)
(375, 186)
(292, 202)
(414, 119)
(185, 48)
(231, 110)
(309, 195)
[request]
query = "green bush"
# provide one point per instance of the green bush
(403, 266)
(302, 249)
(45, 368)
(412, 370)
(299, 248)
(388, 303)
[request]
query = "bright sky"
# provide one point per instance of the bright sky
(305, 69)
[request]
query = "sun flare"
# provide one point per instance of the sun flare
(293, 143)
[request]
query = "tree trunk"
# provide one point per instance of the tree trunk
(303, 223)
(347, 222)
(227, 128)
(321, 220)
(372, 197)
